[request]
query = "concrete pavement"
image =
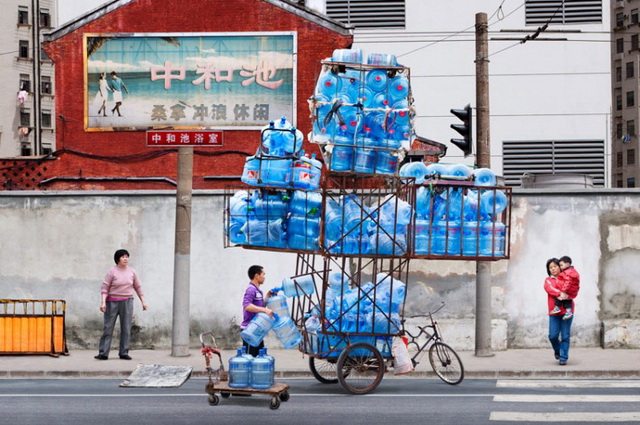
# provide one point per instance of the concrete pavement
(517, 363)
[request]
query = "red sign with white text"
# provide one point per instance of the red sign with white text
(184, 138)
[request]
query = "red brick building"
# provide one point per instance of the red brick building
(108, 160)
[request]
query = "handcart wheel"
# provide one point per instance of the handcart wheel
(213, 400)
(274, 404)
(446, 363)
(284, 396)
(225, 395)
(361, 367)
(323, 370)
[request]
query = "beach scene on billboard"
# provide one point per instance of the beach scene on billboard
(212, 81)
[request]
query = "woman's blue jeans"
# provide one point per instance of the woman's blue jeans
(560, 335)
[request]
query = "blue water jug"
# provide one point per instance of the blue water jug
(316, 173)
(292, 140)
(377, 80)
(287, 332)
(275, 234)
(492, 238)
(471, 199)
(381, 59)
(383, 244)
(328, 85)
(298, 286)
(470, 242)
(436, 170)
(312, 326)
(278, 303)
(305, 203)
(401, 112)
(342, 158)
(304, 225)
(268, 204)
(417, 170)
(302, 242)
(302, 173)
(261, 372)
(277, 172)
(359, 93)
(239, 208)
(365, 160)
(381, 101)
(384, 323)
(324, 127)
(251, 171)
(484, 177)
(399, 133)
(438, 237)
(239, 371)
(257, 329)
(378, 125)
(454, 237)
(235, 233)
(255, 231)
(454, 199)
(398, 88)
(492, 203)
(422, 237)
(272, 360)
(347, 55)
(423, 202)
(386, 162)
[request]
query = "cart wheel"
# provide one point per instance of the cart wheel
(284, 396)
(275, 403)
(361, 367)
(323, 370)
(213, 400)
(446, 363)
(225, 395)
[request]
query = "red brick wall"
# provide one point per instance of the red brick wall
(314, 43)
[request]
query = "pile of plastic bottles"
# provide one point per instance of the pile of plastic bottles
(280, 160)
(370, 308)
(362, 112)
(351, 227)
(275, 218)
(248, 371)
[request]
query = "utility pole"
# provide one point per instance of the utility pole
(182, 259)
(483, 160)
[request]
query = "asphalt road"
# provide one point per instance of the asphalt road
(396, 401)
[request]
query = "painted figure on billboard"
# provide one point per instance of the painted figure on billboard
(216, 81)
(102, 95)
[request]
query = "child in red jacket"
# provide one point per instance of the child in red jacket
(569, 281)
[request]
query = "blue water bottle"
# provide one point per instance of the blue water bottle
(287, 332)
(297, 286)
(328, 85)
(273, 364)
(484, 177)
(453, 237)
(257, 329)
(251, 171)
(470, 242)
(239, 371)
(422, 237)
(261, 374)
(398, 88)
(278, 304)
(377, 80)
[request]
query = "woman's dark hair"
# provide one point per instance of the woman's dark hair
(120, 253)
(253, 271)
(552, 260)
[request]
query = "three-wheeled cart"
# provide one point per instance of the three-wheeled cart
(219, 383)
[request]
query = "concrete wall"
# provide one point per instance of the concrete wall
(60, 245)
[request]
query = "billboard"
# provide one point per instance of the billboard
(217, 81)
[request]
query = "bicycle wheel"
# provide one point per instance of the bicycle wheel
(361, 368)
(446, 363)
(323, 370)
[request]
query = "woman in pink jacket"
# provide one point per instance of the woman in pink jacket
(559, 329)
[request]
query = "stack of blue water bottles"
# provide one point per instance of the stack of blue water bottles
(246, 371)
(280, 160)
(363, 113)
(457, 220)
(275, 219)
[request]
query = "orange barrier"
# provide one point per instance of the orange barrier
(32, 327)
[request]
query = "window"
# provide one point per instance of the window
(43, 54)
(25, 118)
(25, 82)
(46, 149)
(619, 182)
(631, 182)
(619, 159)
(619, 130)
(619, 102)
(619, 20)
(46, 85)
(634, 42)
(23, 15)
(634, 16)
(619, 45)
(368, 13)
(23, 49)
(631, 127)
(631, 156)
(25, 150)
(538, 12)
(630, 70)
(631, 98)
(45, 18)
(618, 74)
(46, 118)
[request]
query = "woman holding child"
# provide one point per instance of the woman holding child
(561, 279)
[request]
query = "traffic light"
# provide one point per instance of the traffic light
(464, 129)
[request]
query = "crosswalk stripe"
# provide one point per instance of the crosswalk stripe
(566, 398)
(545, 383)
(565, 417)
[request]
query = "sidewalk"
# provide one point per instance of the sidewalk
(521, 363)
